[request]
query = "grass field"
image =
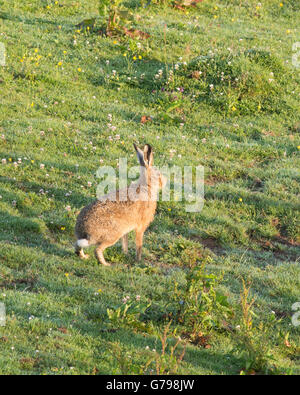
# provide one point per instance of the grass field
(221, 91)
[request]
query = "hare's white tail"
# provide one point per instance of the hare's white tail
(82, 243)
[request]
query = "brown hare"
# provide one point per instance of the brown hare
(105, 221)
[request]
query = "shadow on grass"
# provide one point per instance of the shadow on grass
(27, 232)
(32, 20)
(208, 360)
(76, 199)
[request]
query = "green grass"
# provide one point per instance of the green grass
(245, 133)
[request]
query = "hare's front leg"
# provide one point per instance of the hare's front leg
(139, 234)
(125, 244)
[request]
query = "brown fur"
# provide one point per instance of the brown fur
(104, 221)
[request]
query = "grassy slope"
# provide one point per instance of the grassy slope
(251, 156)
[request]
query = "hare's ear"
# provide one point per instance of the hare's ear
(140, 155)
(148, 155)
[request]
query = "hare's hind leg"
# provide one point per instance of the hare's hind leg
(99, 254)
(79, 250)
(125, 244)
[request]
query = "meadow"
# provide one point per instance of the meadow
(211, 85)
